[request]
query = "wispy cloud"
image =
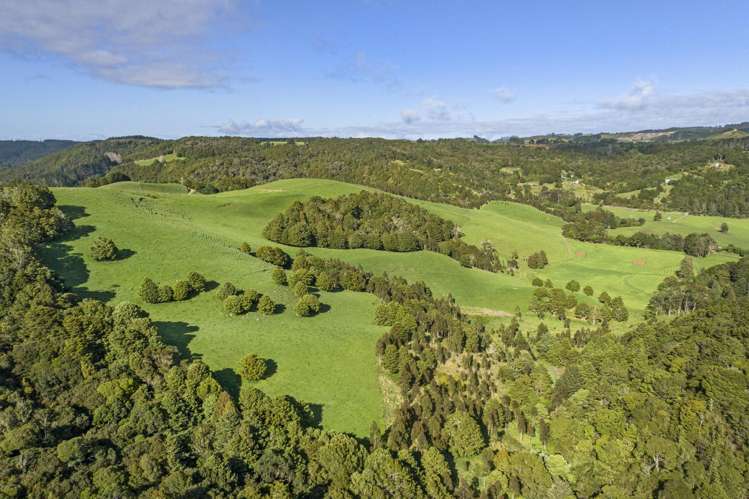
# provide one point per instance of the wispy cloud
(504, 95)
(264, 128)
(361, 68)
(134, 42)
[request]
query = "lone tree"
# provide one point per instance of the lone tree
(149, 291)
(573, 286)
(724, 227)
(253, 368)
(588, 290)
(307, 306)
(266, 306)
(104, 249)
(245, 248)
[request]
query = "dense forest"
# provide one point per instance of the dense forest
(667, 175)
(93, 403)
(375, 221)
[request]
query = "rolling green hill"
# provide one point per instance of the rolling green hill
(170, 232)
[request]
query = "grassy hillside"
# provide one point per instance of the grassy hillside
(683, 223)
(170, 233)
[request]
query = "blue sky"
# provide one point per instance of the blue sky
(86, 69)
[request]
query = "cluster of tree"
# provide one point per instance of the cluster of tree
(104, 249)
(686, 291)
(239, 302)
(150, 292)
(538, 260)
(692, 244)
(375, 221)
(555, 301)
(92, 403)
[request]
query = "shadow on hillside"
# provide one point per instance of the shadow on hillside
(314, 414)
(229, 381)
(69, 266)
(178, 334)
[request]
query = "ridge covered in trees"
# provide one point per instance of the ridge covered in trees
(375, 221)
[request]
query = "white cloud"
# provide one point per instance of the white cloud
(127, 41)
(504, 95)
(432, 110)
(265, 128)
(638, 98)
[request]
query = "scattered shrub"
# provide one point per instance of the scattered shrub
(225, 290)
(266, 306)
(181, 290)
(104, 249)
(166, 294)
(326, 282)
(300, 289)
(538, 260)
(308, 305)
(538, 282)
(149, 291)
(197, 282)
(274, 255)
(233, 305)
(588, 290)
(253, 368)
(573, 286)
(279, 276)
(245, 248)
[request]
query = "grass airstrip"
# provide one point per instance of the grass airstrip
(329, 360)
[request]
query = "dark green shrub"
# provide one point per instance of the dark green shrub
(149, 291)
(197, 282)
(181, 290)
(308, 305)
(253, 368)
(274, 255)
(279, 276)
(266, 306)
(225, 290)
(300, 289)
(166, 294)
(104, 249)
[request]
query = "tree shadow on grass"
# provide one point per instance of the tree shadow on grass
(124, 253)
(69, 266)
(229, 381)
(178, 334)
(314, 414)
(324, 307)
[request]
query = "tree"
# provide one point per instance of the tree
(245, 248)
(307, 306)
(104, 249)
(149, 291)
(604, 298)
(588, 290)
(233, 305)
(538, 282)
(273, 255)
(573, 286)
(724, 227)
(226, 289)
(438, 478)
(266, 306)
(326, 282)
(166, 294)
(181, 290)
(464, 434)
(197, 282)
(279, 276)
(657, 217)
(300, 289)
(253, 368)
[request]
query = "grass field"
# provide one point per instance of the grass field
(328, 360)
(682, 223)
